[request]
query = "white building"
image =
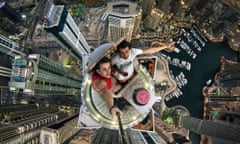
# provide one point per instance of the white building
(121, 20)
(61, 24)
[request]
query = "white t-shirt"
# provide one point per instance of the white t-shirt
(126, 65)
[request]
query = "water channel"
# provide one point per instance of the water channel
(203, 67)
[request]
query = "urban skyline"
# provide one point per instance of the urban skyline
(53, 73)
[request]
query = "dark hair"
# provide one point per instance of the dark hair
(103, 60)
(123, 44)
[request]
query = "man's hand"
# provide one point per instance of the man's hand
(170, 44)
(114, 112)
(115, 73)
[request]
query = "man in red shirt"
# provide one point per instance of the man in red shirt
(103, 83)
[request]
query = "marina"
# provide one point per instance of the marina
(190, 43)
(177, 62)
(203, 68)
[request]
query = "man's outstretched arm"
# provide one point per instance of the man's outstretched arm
(153, 50)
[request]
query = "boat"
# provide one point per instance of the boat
(177, 50)
(209, 82)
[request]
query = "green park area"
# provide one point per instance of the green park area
(77, 11)
(68, 61)
(170, 116)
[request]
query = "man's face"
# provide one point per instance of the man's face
(105, 70)
(124, 52)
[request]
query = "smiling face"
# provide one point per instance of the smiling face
(124, 52)
(104, 70)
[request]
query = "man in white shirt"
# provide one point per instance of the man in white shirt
(125, 55)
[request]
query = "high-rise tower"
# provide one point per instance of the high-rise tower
(216, 130)
(9, 47)
(121, 20)
(9, 12)
(164, 5)
(147, 6)
(153, 19)
(137, 24)
(61, 24)
(39, 75)
(229, 75)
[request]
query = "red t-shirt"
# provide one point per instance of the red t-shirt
(108, 81)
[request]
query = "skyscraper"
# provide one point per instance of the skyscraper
(153, 19)
(26, 122)
(60, 131)
(9, 47)
(230, 75)
(164, 5)
(121, 20)
(39, 75)
(218, 130)
(132, 136)
(61, 24)
(9, 12)
(137, 24)
(147, 6)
